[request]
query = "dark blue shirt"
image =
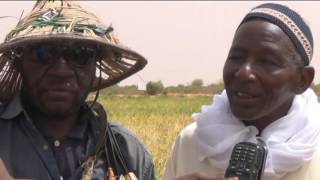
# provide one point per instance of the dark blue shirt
(27, 153)
(71, 151)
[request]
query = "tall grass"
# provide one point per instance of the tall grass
(157, 120)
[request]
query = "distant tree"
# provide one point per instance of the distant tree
(216, 88)
(154, 88)
(197, 82)
(165, 91)
(180, 86)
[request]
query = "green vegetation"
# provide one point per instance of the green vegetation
(197, 82)
(196, 88)
(157, 120)
(123, 90)
(154, 88)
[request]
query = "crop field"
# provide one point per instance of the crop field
(157, 120)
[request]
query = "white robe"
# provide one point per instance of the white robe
(293, 140)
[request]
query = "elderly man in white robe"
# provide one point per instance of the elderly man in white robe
(267, 77)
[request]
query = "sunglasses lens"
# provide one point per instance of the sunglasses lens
(74, 56)
(44, 54)
(80, 56)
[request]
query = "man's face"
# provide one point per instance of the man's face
(57, 77)
(260, 73)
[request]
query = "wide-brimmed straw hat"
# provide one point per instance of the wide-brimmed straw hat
(61, 20)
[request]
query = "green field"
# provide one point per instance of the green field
(157, 120)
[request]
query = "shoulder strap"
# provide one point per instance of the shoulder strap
(108, 144)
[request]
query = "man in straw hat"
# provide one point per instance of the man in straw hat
(267, 97)
(49, 63)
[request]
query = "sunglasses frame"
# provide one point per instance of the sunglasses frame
(49, 54)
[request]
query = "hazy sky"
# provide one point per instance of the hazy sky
(181, 40)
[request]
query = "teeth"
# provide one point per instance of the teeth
(241, 94)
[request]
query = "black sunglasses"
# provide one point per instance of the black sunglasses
(76, 56)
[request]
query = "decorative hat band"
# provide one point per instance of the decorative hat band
(291, 25)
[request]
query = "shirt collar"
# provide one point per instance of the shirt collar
(12, 109)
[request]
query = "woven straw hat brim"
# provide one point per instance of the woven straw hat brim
(65, 21)
(113, 71)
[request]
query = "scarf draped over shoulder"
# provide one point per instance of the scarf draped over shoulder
(291, 140)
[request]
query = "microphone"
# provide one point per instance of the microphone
(247, 161)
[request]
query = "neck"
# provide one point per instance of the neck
(260, 125)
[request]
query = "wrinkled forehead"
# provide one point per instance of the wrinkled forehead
(290, 22)
(261, 30)
(264, 37)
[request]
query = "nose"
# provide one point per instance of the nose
(246, 72)
(60, 69)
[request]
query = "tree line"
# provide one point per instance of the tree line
(157, 88)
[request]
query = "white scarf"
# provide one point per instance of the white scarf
(291, 140)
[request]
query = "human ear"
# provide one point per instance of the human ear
(305, 80)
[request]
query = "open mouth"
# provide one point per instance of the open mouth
(243, 95)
